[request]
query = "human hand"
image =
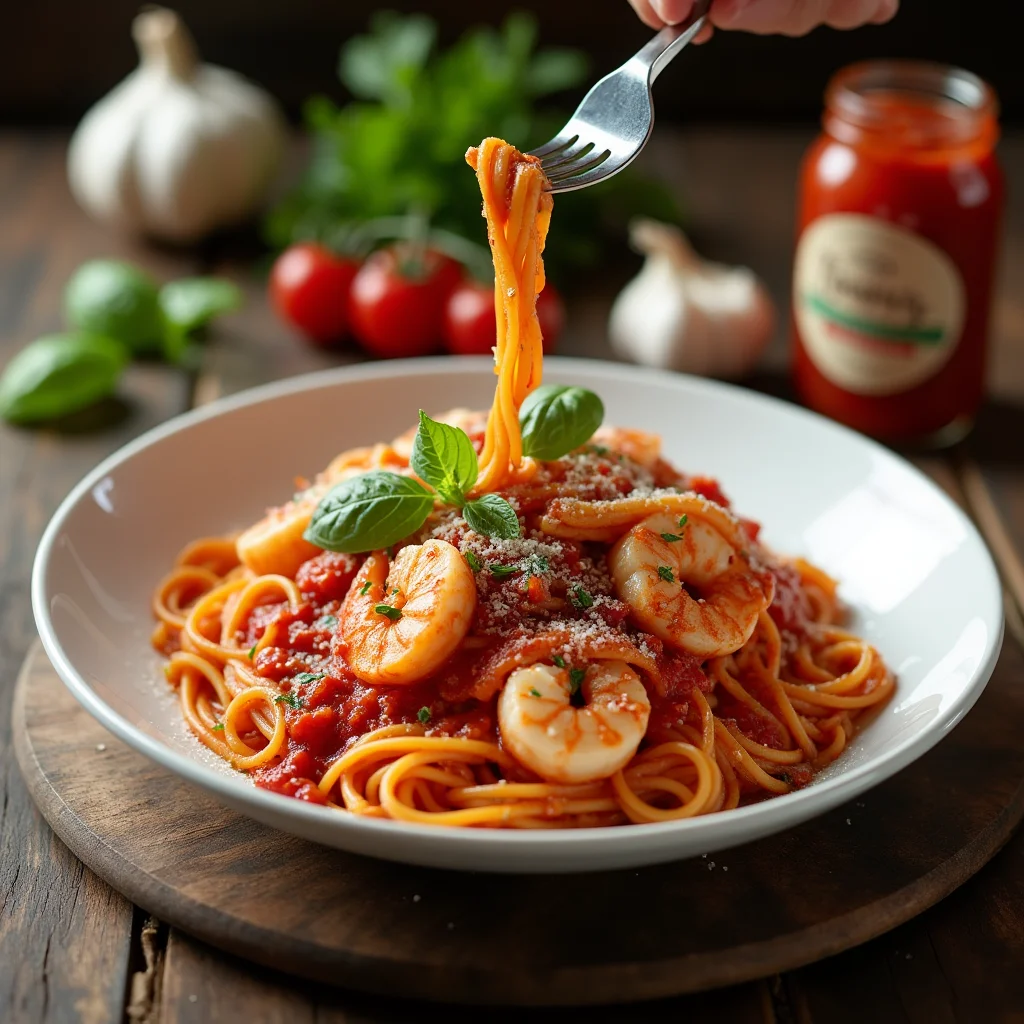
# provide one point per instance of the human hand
(785, 17)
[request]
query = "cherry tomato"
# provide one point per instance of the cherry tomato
(551, 314)
(309, 287)
(469, 325)
(395, 311)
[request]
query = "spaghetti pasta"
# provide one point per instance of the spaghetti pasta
(635, 655)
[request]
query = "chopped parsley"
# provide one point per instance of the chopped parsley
(473, 562)
(328, 622)
(576, 677)
(597, 449)
(582, 598)
(533, 565)
(394, 614)
(558, 660)
(365, 588)
(219, 727)
(499, 571)
(786, 777)
(295, 703)
(683, 520)
(671, 537)
(307, 677)
(423, 715)
(534, 692)
(536, 564)
(252, 651)
(665, 573)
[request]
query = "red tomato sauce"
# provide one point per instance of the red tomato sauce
(326, 707)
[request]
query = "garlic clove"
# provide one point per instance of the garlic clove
(179, 148)
(683, 313)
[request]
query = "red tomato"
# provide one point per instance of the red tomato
(309, 287)
(469, 325)
(396, 315)
(551, 314)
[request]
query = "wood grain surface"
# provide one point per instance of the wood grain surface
(70, 945)
(504, 940)
(65, 936)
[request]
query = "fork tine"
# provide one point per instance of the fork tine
(592, 176)
(568, 156)
(569, 171)
(559, 143)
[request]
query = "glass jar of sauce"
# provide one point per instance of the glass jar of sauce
(900, 206)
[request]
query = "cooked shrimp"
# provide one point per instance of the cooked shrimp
(543, 730)
(642, 447)
(275, 544)
(400, 623)
(689, 585)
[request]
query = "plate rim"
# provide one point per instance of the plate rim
(791, 808)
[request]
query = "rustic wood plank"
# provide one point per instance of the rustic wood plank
(64, 933)
(954, 962)
(204, 984)
(747, 230)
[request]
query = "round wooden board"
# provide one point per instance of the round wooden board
(526, 940)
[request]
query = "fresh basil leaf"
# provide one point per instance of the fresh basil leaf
(190, 302)
(116, 300)
(444, 456)
(493, 516)
(369, 512)
(60, 374)
(555, 419)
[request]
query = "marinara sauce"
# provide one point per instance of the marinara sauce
(900, 205)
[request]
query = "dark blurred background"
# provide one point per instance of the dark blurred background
(59, 56)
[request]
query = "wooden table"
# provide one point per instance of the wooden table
(71, 948)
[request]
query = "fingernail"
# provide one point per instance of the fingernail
(672, 11)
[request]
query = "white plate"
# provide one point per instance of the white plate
(917, 575)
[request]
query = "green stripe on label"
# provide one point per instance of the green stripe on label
(890, 332)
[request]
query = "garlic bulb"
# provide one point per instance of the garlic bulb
(683, 313)
(178, 148)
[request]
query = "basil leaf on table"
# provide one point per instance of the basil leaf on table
(60, 374)
(493, 516)
(192, 301)
(555, 419)
(444, 456)
(117, 300)
(369, 512)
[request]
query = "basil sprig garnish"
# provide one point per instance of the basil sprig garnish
(379, 508)
(444, 456)
(556, 419)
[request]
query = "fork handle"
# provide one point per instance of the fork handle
(657, 54)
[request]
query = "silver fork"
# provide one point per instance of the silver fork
(615, 119)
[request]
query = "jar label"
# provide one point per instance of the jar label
(879, 309)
